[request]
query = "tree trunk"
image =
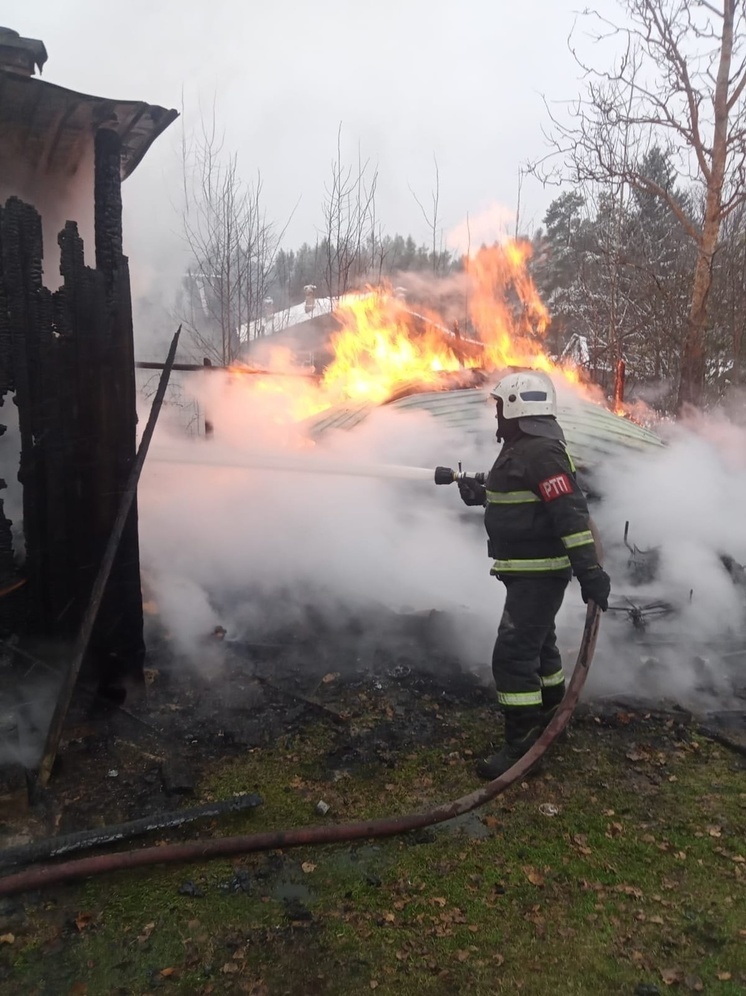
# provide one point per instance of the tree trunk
(692, 376)
(692, 382)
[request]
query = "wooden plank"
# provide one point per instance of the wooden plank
(68, 684)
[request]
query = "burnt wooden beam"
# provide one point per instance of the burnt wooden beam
(107, 193)
(102, 577)
(117, 647)
(206, 365)
(21, 243)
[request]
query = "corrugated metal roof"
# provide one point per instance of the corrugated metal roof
(592, 432)
(50, 128)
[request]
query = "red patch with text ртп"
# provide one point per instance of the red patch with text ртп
(555, 487)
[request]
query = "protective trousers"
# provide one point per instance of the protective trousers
(526, 660)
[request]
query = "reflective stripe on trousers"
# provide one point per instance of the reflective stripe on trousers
(541, 564)
(552, 680)
(519, 698)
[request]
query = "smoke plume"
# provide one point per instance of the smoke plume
(252, 549)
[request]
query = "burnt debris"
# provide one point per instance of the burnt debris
(67, 360)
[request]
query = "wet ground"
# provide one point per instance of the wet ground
(373, 720)
(120, 763)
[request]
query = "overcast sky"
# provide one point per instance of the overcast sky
(461, 80)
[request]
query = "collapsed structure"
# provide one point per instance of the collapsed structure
(67, 383)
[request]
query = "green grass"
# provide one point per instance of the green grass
(639, 878)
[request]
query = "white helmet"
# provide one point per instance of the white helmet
(526, 394)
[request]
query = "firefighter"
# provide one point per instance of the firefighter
(539, 534)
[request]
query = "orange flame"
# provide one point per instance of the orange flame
(380, 349)
(383, 346)
(507, 311)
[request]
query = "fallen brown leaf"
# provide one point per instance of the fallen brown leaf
(230, 968)
(580, 841)
(373, 984)
(629, 890)
(83, 920)
(724, 976)
(635, 755)
(671, 976)
(7, 938)
(147, 930)
(166, 972)
(535, 877)
(462, 955)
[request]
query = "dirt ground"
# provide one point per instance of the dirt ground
(618, 868)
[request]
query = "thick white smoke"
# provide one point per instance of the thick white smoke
(250, 549)
(686, 500)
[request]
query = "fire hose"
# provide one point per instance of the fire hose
(389, 826)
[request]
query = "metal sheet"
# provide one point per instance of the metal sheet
(592, 431)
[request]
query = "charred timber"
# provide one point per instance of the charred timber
(101, 588)
(85, 840)
(68, 358)
(149, 365)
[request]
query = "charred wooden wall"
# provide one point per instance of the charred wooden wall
(68, 356)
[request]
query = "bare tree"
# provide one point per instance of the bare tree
(349, 221)
(678, 83)
(431, 217)
(232, 245)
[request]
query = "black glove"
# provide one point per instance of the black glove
(595, 585)
(472, 492)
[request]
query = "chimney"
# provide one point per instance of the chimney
(20, 55)
(310, 298)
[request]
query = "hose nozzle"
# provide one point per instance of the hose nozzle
(446, 475)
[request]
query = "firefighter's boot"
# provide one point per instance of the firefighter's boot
(523, 727)
(550, 702)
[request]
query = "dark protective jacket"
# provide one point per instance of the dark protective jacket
(536, 516)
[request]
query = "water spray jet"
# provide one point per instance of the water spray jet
(289, 463)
